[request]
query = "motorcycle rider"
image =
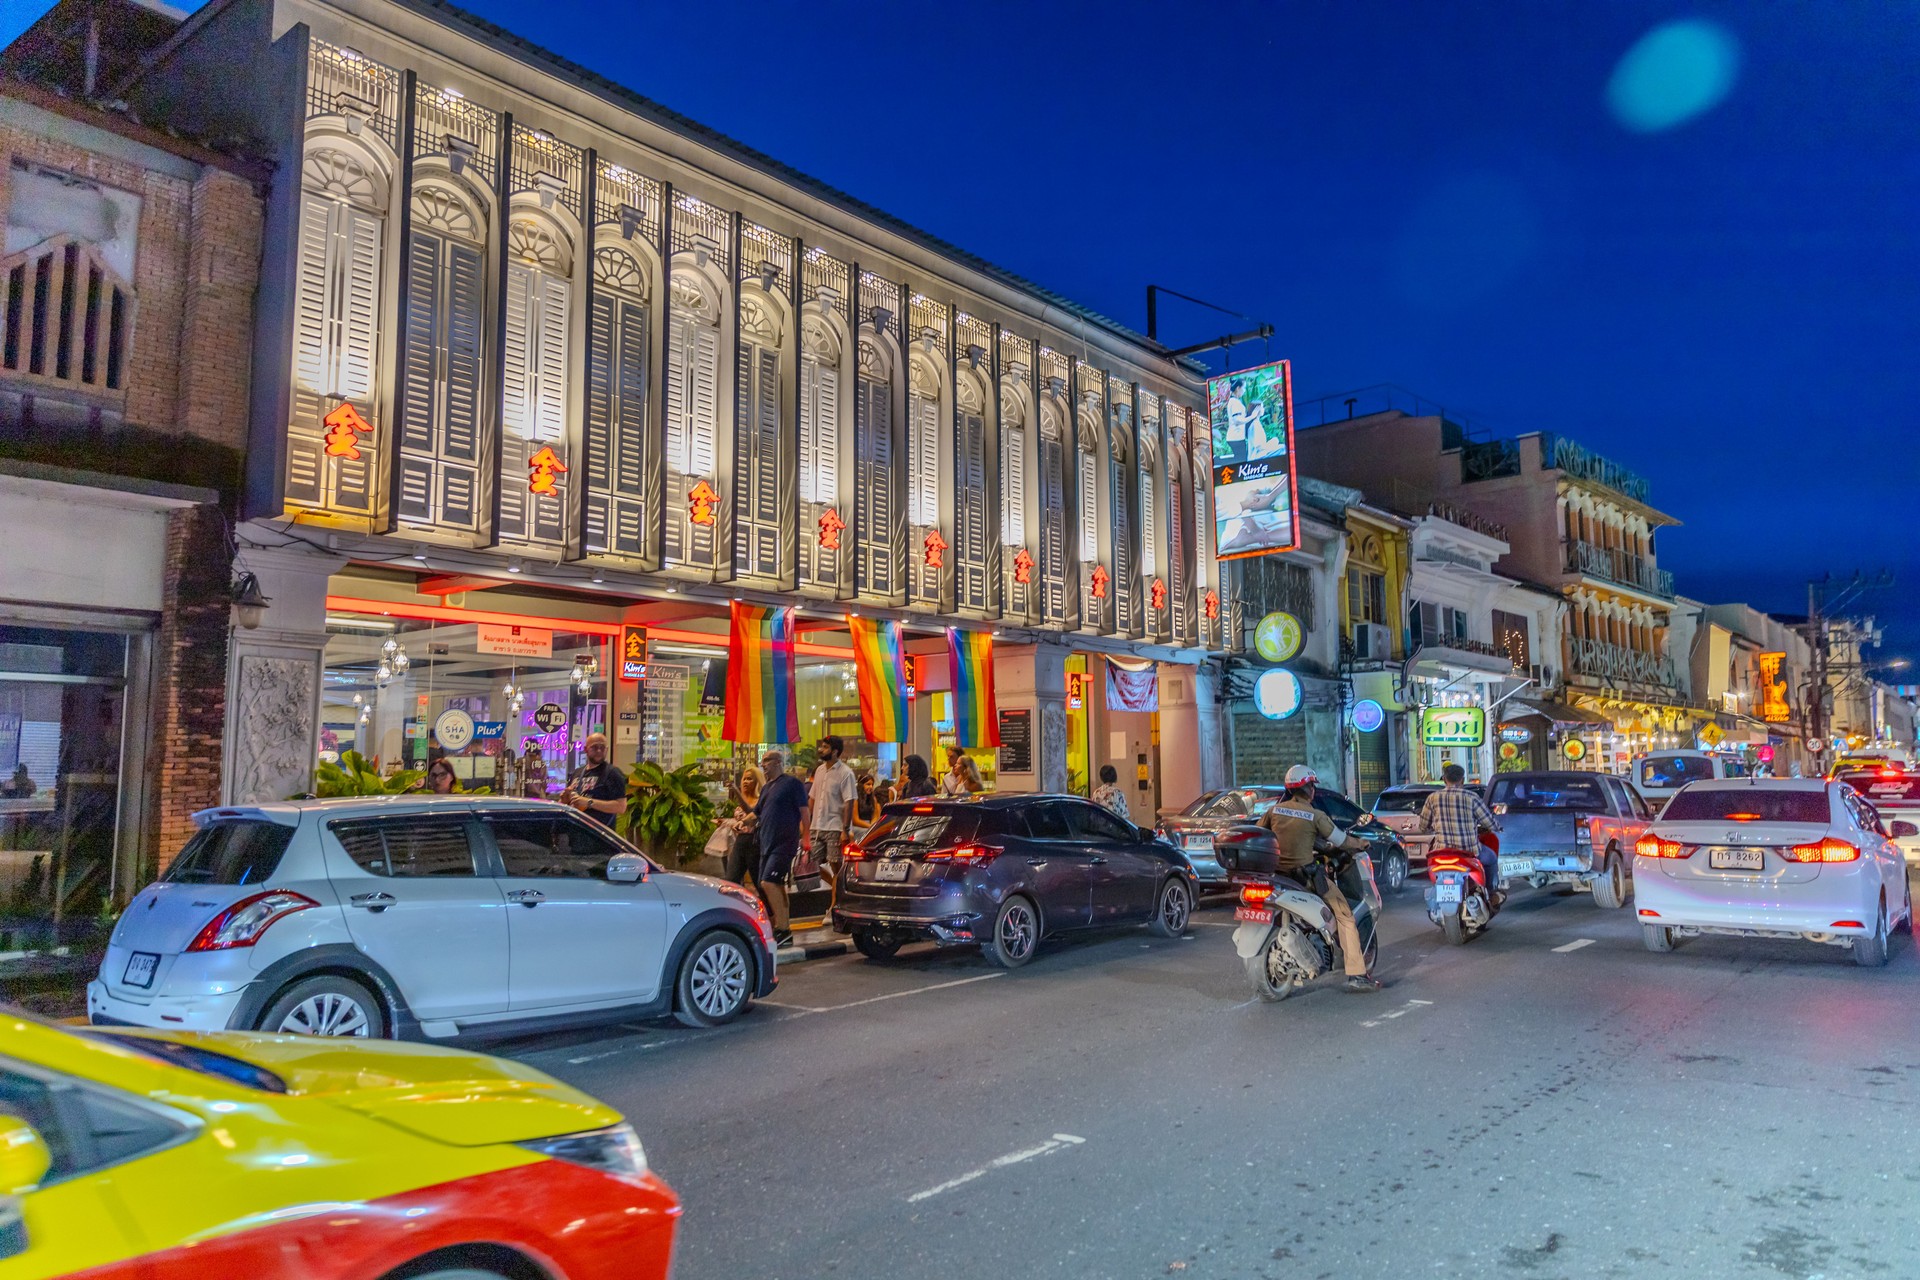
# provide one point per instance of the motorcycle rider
(1459, 816)
(1298, 828)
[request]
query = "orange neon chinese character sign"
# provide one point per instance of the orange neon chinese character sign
(936, 547)
(344, 427)
(545, 465)
(830, 526)
(1158, 594)
(1099, 582)
(1211, 605)
(1773, 690)
(1022, 566)
(700, 502)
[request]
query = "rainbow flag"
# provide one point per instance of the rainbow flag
(970, 659)
(760, 685)
(879, 663)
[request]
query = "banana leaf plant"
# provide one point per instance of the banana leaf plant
(668, 812)
(355, 775)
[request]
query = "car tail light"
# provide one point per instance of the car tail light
(1743, 817)
(1255, 894)
(241, 924)
(973, 855)
(1652, 846)
(1446, 862)
(1846, 924)
(1645, 912)
(1832, 849)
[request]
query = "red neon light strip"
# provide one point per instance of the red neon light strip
(445, 613)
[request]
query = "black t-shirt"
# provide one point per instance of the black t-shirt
(600, 782)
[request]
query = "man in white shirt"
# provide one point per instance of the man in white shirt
(830, 804)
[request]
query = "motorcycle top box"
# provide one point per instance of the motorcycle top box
(1247, 849)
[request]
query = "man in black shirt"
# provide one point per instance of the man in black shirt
(777, 819)
(599, 790)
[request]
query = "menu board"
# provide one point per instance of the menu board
(1016, 740)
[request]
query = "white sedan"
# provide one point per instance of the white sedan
(1773, 858)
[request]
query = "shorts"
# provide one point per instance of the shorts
(776, 861)
(826, 849)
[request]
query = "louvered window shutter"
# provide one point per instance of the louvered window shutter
(1089, 510)
(1149, 527)
(826, 435)
(359, 305)
(809, 430)
(679, 373)
(923, 462)
(550, 384)
(1053, 525)
(516, 357)
(703, 429)
(466, 317)
(1013, 488)
(312, 347)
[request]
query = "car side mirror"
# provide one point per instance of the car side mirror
(1903, 830)
(626, 868)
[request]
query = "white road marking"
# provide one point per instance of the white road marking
(1405, 1009)
(1575, 945)
(891, 995)
(612, 1053)
(1059, 1142)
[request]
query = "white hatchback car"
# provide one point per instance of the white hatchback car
(418, 916)
(1772, 858)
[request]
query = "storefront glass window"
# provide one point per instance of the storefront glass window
(1078, 762)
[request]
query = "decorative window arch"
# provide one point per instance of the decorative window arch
(764, 330)
(619, 378)
(443, 353)
(345, 188)
(973, 524)
(535, 361)
(696, 300)
(875, 502)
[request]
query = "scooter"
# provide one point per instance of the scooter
(1287, 938)
(1459, 899)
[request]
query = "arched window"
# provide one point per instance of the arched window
(443, 355)
(336, 326)
(875, 511)
(1053, 511)
(534, 368)
(756, 475)
(693, 416)
(618, 353)
(1120, 492)
(972, 521)
(1013, 471)
(926, 397)
(822, 349)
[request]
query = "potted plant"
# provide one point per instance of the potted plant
(356, 775)
(668, 812)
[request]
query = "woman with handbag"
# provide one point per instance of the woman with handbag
(743, 858)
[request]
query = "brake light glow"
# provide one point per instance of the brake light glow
(973, 855)
(1743, 817)
(1645, 912)
(1652, 846)
(241, 924)
(1447, 861)
(923, 808)
(1255, 894)
(1831, 849)
(1846, 924)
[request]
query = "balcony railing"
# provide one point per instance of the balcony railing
(1618, 664)
(1616, 565)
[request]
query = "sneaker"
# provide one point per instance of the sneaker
(782, 940)
(1364, 983)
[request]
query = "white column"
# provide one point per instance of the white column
(274, 673)
(1184, 735)
(1034, 677)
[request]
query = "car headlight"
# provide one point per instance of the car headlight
(752, 900)
(613, 1150)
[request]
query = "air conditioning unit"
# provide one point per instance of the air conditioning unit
(1542, 675)
(1372, 642)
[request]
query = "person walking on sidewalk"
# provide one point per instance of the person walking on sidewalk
(1109, 792)
(743, 858)
(776, 819)
(830, 808)
(918, 779)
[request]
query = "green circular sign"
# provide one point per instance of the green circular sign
(1278, 637)
(1573, 748)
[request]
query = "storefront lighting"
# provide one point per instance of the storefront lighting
(249, 602)
(515, 565)
(419, 553)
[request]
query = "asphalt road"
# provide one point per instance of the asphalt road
(1551, 1100)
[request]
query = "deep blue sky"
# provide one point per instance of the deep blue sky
(1430, 195)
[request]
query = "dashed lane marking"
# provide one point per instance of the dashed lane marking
(1575, 945)
(1059, 1142)
(891, 995)
(1405, 1009)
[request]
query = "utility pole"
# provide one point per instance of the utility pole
(1821, 608)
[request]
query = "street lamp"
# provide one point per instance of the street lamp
(249, 602)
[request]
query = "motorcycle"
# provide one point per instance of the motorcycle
(1287, 938)
(1459, 899)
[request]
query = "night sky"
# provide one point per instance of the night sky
(1700, 261)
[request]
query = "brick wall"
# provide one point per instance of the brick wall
(189, 704)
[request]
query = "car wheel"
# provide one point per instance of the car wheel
(1396, 872)
(1657, 937)
(875, 946)
(1906, 917)
(1172, 908)
(1610, 890)
(715, 981)
(458, 1273)
(1871, 953)
(326, 1006)
(1016, 933)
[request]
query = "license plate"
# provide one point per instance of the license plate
(140, 969)
(1511, 867)
(1200, 844)
(1446, 893)
(1737, 860)
(1253, 915)
(893, 870)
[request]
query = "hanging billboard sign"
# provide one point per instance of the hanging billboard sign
(1255, 491)
(1453, 726)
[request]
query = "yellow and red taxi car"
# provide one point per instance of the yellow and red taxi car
(145, 1155)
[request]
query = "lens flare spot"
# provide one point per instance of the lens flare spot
(1672, 74)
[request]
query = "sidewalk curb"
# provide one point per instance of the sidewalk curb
(814, 951)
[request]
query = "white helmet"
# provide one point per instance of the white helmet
(1301, 776)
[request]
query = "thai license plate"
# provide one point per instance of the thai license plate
(893, 869)
(1736, 860)
(1447, 891)
(1200, 844)
(1511, 868)
(1253, 915)
(140, 969)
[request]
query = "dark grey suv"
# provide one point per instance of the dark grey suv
(1005, 872)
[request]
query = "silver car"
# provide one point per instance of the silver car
(425, 917)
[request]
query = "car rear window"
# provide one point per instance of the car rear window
(1218, 804)
(1747, 804)
(1674, 771)
(905, 832)
(1897, 790)
(1400, 801)
(1550, 793)
(231, 851)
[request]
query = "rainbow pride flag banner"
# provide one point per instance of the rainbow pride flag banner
(760, 687)
(976, 722)
(880, 667)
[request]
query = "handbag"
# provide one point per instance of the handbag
(805, 872)
(720, 843)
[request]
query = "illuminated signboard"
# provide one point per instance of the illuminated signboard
(633, 652)
(1453, 726)
(1255, 507)
(1368, 715)
(1276, 694)
(1773, 690)
(1278, 636)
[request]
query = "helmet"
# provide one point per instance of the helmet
(1301, 776)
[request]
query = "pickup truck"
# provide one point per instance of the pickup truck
(1569, 828)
